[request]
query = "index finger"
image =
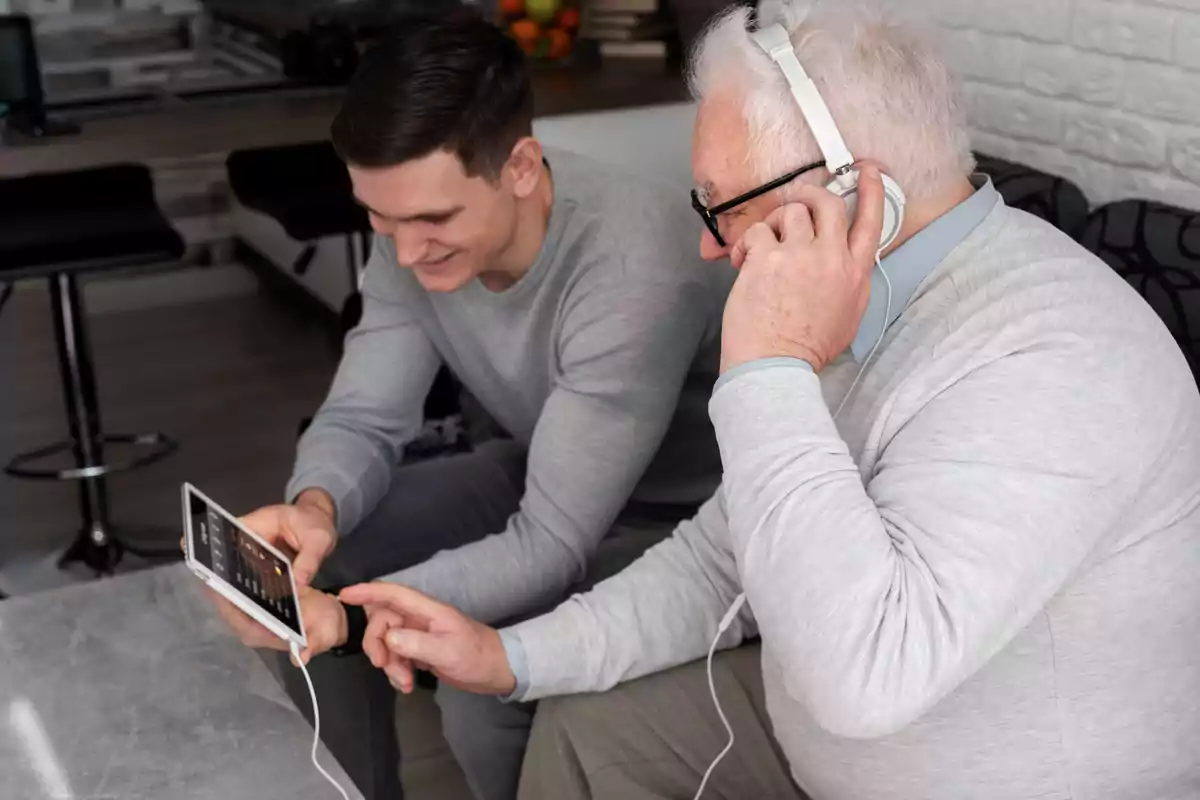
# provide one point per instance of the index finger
(264, 522)
(401, 599)
(829, 212)
(758, 235)
(867, 231)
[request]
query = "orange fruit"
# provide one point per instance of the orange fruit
(512, 8)
(560, 43)
(525, 30)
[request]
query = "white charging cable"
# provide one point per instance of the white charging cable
(316, 722)
(740, 600)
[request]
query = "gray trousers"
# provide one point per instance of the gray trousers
(653, 739)
(433, 505)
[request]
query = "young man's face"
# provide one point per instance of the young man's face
(447, 227)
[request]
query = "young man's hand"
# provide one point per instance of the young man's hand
(408, 629)
(324, 618)
(307, 527)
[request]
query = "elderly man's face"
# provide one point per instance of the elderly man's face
(722, 170)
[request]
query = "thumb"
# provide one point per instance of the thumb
(305, 564)
(428, 648)
(867, 229)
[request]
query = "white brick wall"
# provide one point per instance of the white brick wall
(1105, 92)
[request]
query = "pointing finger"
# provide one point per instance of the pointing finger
(427, 648)
(830, 221)
(401, 599)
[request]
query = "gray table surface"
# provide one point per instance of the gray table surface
(132, 689)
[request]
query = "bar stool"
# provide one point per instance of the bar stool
(58, 226)
(306, 189)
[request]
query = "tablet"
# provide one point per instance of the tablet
(241, 566)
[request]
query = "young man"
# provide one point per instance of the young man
(565, 298)
(961, 498)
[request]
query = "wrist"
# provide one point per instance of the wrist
(343, 625)
(504, 680)
(732, 357)
(320, 501)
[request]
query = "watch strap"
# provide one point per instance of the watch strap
(356, 627)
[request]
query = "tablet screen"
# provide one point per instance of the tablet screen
(242, 562)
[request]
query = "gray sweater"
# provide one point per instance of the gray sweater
(601, 360)
(982, 581)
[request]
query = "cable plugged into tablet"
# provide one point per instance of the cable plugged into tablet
(295, 648)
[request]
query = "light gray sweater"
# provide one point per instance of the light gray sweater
(982, 581)
(601, 360)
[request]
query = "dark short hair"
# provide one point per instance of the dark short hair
(454, 83)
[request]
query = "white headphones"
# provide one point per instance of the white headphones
(775, 42)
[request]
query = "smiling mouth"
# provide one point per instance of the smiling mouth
(437, 262)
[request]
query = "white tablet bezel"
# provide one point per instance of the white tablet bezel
(223, 587)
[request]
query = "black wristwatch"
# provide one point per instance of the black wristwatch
(356, 627)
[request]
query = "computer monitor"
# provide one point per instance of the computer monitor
(21, 81)
(20, 73)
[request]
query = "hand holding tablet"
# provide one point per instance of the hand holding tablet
(256, 593)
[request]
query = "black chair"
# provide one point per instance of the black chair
(1051, 197)
(306, 189)
(58, 226)
(1156, 247)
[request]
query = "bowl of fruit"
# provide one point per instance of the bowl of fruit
(545, 29)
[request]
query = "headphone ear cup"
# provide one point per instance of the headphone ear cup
(893, 205)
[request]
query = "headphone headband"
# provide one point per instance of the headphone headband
(775, 42)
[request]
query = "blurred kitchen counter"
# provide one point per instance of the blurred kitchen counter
(181, 130)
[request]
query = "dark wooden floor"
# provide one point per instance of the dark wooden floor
(229, 379)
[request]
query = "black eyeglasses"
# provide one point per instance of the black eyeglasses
(709, 215)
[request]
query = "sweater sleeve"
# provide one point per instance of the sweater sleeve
(375, 405)
(660, 612)
(624, 353)
(878, 594)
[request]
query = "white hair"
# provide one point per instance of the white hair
(889, 91)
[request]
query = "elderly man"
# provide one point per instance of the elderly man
(961, 492)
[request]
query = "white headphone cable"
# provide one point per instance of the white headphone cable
(740, 600)
(316, 722)
(887, 318)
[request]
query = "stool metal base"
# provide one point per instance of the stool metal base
(101, 550)
(156, 445)
(96, 549)
(97, 545)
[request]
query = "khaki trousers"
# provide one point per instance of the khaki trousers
(653, 739)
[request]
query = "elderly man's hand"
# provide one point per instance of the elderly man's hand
(408, 628)
(804, 277)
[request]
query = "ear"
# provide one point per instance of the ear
(523, 170)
